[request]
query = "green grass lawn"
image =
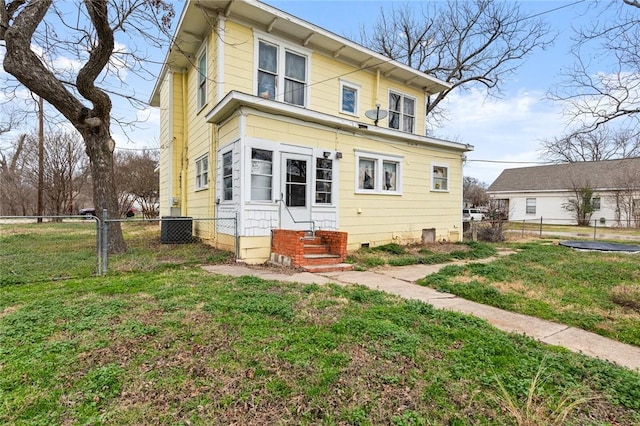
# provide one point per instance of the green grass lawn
(180, 346)
(159, 341)
(595, 291)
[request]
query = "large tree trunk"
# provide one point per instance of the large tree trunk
(99, 147)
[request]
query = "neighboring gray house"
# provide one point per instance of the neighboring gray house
(529, 193)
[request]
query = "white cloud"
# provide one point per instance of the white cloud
(504, 132)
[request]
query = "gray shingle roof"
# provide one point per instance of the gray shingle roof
(594, 174)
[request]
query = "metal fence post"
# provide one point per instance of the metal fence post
(236, 236)
(595, 228)
(105, 244)
(98, 245)
(523, 227)
(540, 226)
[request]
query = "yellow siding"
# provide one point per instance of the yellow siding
(255, 250)
(238, 58)
(165, 145)
(199, 141)
(324, 78)
(229, 132)
(366, 216)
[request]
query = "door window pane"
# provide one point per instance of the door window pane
(296, 183)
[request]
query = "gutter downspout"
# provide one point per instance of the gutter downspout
(185, 150)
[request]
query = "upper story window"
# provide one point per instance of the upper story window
(402, 111)
(349, 94)
(202, 172)
(282, 73)
(202, 78)
(595, 203)
(439, 178)
(378, 173)
(227, 176)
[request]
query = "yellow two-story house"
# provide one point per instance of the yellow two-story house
(286, 126)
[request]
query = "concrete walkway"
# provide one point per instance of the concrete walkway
(401, 281)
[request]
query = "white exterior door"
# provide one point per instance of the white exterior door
(295, 211)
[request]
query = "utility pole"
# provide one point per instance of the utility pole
(70, 179)
(40, 156)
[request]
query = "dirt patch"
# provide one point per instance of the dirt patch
(8, 310)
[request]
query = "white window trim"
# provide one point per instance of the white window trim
(202, 185)
(379, 160)
(315, 179)
(222, 176)
(202, 103)
(283, 46)
(402, 113)
(356, 87)
(433, 181)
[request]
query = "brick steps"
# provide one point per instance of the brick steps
(326, 251)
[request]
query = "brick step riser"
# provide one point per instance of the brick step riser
(319, 261)
(316, 249)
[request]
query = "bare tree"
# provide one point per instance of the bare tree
(599, 144)
(90, 40)
(474, 191)
(626, 198)
(603, 87)
(138, 181)
(64, 169)
(580, 203)
(466, 44)
(17, 194)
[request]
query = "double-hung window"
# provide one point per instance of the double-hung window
(378, 173)
(402, 112)
(282, 73)
(439, 178)
(531, 206)
(202, 172)
(349, 98)
(227, 176)
(202, 78)
(261, 174)
(324, 180)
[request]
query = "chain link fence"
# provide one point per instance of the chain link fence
(500, 230)
(48, 248)
(171, 241)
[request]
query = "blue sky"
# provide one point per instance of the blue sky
(505, 131)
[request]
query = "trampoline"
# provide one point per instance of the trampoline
(601, 246)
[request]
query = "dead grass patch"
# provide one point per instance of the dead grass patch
(627, 296)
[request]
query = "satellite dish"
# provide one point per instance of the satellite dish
(376, 114)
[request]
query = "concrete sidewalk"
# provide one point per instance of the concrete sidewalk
(401, 281)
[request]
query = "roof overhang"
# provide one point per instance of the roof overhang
(233, 101)
(199, 17)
